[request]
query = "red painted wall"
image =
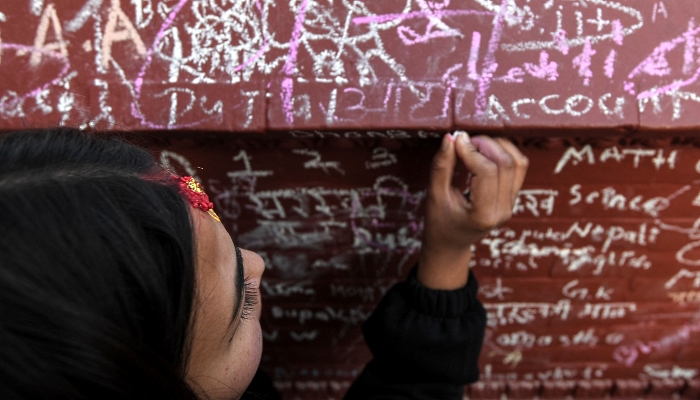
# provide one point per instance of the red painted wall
(312, 125)
(593, 285)
(259, 65)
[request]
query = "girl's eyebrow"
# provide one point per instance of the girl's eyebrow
(239, 285)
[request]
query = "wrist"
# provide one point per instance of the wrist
(444, 270)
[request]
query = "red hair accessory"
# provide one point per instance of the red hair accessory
(194, 193)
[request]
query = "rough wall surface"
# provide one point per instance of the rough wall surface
(257, 65)
(593, 287)
(312, 124)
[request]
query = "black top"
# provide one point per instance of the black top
(425, 343)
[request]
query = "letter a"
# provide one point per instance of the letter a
(118, 29)
(40, 46)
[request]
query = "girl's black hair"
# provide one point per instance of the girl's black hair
(96, 270)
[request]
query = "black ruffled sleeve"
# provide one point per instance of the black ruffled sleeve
(425, 343)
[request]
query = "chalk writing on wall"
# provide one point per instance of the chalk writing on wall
(594, 278)
(257, 64)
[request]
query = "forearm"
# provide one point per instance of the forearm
(453, 222)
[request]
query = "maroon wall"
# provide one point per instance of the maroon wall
(595, 281)
(258, 65)
(312, 124)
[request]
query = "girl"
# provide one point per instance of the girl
(117, 279)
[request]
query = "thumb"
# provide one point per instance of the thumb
(443, 167)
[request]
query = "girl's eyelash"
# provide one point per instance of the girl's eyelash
(250, 299)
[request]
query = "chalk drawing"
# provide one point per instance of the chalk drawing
(656, 64)
(569, 107)
(599, 22)
(538, 202)
(689, 254)
(583, 62)
(510, 313)
(474, 55)
(496, 291)
(381, 157)
(12, 104)
(609, 68)
(35, 7)
(573, 290)
(637, 156)
(686, 297)
(561, 42)
(617, 37)
(174, 161)
(681, 274)
(364, 45)
(610, 199)
(144, 12)
(619, 105)
(544, 70)
(659, 9)
(675, 372)
(89, 9)
(345, 44)
(436, 28)
(523, 250)
(49, 18)
(628, 354)
(552, 374)
(287, 83)
(316, 162)
(118, 29)
(528, 340)
(138, 82)
(489, 67)
(516, 107)
(105, 114)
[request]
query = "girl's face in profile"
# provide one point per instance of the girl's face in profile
(226, 335)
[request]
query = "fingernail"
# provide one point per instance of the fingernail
(461, 135)
(446, 142)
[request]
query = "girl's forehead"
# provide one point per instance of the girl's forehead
(216, 274)
(215, 251)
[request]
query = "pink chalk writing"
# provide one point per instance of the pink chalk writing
(617, 32)
(609, 66)
(628, 354)
(379, 19)
(583, 62)
(656, 64)
(560, 41)
(489, 66)
(15, 101)
(138, 83)
(287, 83)
(545, 70)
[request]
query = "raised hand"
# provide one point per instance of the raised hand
(453, 220)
